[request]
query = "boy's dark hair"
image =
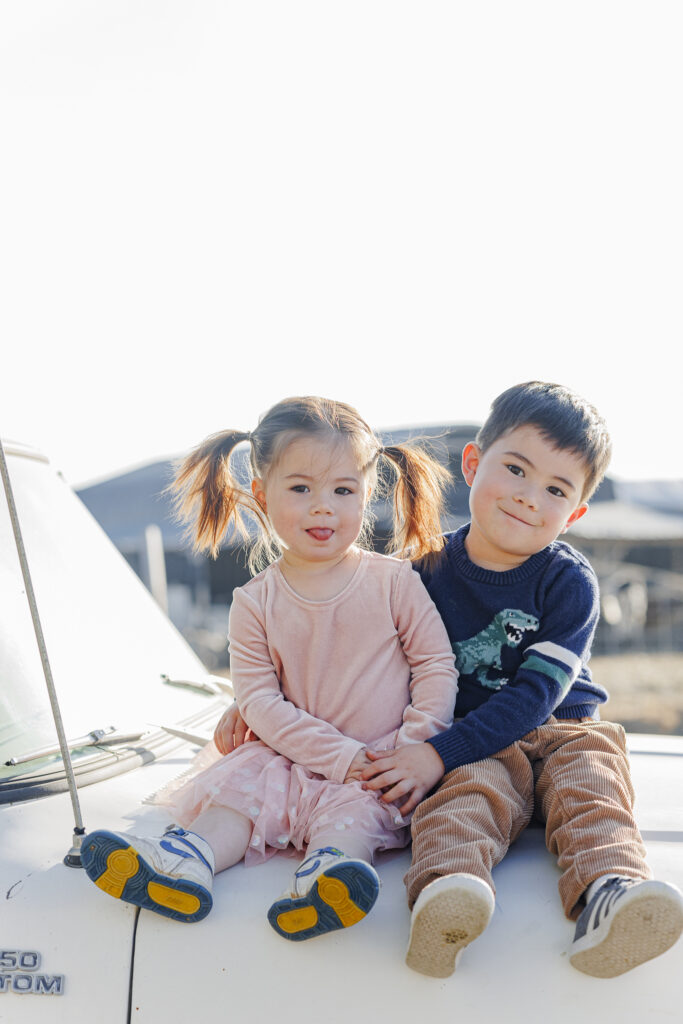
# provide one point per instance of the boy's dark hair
(564, 418)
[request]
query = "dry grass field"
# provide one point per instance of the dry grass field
(646, 690)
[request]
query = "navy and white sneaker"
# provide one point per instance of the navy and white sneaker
(625, 923)
(329, 891)
(171, 875)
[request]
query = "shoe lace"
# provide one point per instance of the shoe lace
(312, 862)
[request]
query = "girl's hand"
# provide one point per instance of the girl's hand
(356, 767)
(407, 771)
(232, 731)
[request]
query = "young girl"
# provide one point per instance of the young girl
(333, 648)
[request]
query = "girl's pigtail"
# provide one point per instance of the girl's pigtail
(418, 501)
(207, 497)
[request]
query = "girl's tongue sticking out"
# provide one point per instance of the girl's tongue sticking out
(320, 533)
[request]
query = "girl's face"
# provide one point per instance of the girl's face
(314, 498)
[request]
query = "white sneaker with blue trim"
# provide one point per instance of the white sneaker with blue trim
(329, 891)
(625, 923)
(171, 875)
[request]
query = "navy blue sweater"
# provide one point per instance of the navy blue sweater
(522, 640)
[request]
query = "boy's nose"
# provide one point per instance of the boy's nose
(527, 497)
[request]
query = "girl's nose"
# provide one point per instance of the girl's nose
(321, 503)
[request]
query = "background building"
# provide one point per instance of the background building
(633, 537)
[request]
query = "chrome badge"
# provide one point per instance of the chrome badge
(19, 973)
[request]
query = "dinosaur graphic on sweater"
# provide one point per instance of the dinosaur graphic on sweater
(481, 653)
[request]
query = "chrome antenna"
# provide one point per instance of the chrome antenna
(73, 857)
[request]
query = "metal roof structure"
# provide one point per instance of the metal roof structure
(125, 504)
(628, 522)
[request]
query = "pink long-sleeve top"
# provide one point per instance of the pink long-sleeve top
(319, 680)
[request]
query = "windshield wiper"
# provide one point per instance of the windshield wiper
(200, 739)
(97, 737)
(213, 685)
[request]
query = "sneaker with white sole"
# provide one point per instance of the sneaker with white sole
(171, 875)
(624, 924)
(448, 914)
(329, 891)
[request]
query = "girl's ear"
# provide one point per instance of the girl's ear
(471, 456)
(259, 493)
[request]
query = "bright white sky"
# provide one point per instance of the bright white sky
(207, 206)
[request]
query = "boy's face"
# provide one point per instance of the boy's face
(523, 494)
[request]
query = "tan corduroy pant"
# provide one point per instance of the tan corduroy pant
(573, 774)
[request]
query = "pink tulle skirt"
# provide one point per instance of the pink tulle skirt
(287, 804)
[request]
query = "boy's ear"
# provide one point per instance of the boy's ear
(576, 514)
(259, 493)
(471, 456)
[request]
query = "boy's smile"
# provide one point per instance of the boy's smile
(524, 493)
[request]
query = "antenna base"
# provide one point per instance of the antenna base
(73, 857)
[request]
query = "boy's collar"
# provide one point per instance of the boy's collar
(465, 565)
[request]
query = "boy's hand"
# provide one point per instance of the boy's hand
(359, 763)
(232, 731)
(413, 769)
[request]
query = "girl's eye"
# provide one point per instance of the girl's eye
(517, 470)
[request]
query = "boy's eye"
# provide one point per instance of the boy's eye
(517, 470)
(343, 490)
(557, 491)
(299, 488)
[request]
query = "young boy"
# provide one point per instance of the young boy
(521, 609)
